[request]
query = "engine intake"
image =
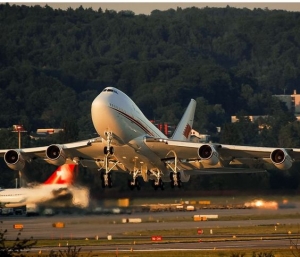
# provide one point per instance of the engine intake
(55, 155)
(208, 154)
(14, 160)
(281, 159)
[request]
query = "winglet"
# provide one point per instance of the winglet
(63, 175)
(184, 128)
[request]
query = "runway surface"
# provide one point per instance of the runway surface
(101, 226)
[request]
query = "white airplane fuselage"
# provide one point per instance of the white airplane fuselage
(113, 111)
(16, 197)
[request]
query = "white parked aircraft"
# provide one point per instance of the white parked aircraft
(59, 184)
(129, 142)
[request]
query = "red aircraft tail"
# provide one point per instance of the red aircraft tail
(63, 175)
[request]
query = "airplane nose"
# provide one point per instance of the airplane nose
(99, 109)
(97, 106)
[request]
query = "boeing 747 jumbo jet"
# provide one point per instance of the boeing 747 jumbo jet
(129, 142)
(59, 184)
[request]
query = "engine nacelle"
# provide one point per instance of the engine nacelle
(55, 155)
(208, 155)
(281, 159)
(14, 159)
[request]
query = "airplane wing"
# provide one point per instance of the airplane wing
(87, 152)
(200, 157)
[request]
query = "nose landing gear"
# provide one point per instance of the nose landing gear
(108, 151)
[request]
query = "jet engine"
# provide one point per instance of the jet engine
(14, 159)
(281, 159)
(208, 155)
(55, 155)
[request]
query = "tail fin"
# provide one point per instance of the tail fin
(63, 175)
(184, 128)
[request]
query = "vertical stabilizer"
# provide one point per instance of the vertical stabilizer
(63, 175)
(184, 128)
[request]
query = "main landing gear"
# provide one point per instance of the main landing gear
(108, 151)
(175, 179)
(175, 174)
(134, 183)
(158, 184)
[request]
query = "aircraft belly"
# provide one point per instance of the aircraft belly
(138, 156)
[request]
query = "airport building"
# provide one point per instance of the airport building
(292, 102)
(45, 132)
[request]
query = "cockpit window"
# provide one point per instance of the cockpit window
(109, 90)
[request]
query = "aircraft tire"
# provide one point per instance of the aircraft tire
(179, 184)
(105, 150)
(171, 176)
(137, 185)
(109, 180)
(172, 184)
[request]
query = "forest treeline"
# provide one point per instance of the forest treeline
(54, 62)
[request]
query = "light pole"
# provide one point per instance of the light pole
(19, 129)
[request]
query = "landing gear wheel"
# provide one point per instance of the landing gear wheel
(133, 184)
(158, 184)
(102, 179)
(105, 150)
(161, 185)
(172, 184)
(109, 181)
(138, 187)
(179, 184)
(130, 184)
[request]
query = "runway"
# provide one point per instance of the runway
(101, 226)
